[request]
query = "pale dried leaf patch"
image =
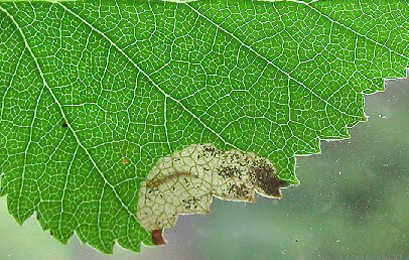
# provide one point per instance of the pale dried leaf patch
(186, 181)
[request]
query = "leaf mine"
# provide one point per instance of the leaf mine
(186, 181)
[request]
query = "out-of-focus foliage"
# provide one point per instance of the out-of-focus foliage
(353, 202)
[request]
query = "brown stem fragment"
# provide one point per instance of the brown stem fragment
(157, 237)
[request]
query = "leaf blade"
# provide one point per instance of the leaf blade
(136, 81)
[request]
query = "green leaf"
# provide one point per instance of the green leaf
(93, 94)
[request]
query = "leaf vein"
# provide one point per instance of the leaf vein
(147, 75)
(268, 61)
(64, 116)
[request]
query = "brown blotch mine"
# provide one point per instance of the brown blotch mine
(185, 182)
(157, 237)
(266, 178)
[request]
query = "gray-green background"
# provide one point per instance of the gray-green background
(353, 202)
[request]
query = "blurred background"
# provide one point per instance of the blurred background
(353, 202)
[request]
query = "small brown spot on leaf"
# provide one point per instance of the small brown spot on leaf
(125, 161)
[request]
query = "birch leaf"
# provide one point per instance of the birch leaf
(97, 96)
